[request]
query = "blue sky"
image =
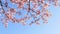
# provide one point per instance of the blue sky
(52, 27)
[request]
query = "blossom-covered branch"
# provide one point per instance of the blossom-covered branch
(36, 10)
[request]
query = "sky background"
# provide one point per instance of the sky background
(52, 27)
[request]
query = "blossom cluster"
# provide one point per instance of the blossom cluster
(36, 10)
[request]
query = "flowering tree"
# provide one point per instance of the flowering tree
(35, 9)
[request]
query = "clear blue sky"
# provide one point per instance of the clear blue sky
(53, 26)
